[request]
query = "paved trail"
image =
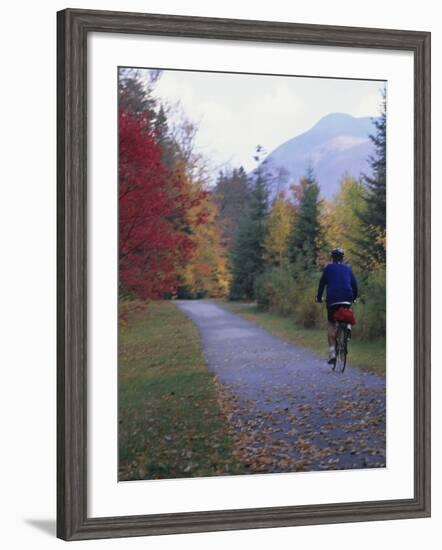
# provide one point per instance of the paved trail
(290, 411)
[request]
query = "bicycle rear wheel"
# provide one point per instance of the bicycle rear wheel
(341, 347)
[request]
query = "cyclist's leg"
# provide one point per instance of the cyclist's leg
(331, 334)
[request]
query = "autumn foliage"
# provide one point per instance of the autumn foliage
(206, 273)
(155, 240)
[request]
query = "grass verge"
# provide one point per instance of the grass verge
(170, 421)
(365, 355)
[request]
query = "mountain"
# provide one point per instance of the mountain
(338, 143)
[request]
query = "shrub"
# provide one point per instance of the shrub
(370, 310)
(278, 291)
(292, 294)
(308, 313)
(275, 291)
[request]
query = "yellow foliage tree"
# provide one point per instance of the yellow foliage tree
(340, 219)
(206, 274)
(279, 225)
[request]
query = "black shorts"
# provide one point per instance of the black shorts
(331, 311)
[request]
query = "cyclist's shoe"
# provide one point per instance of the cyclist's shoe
(349, 332)
(331, 357)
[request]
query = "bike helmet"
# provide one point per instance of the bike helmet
(337, 254)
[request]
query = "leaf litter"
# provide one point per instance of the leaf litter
(288, 432)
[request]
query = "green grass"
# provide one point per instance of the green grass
(170, 422)
(367, 355)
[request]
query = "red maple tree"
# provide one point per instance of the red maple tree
(154, 241)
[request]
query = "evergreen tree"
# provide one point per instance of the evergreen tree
(232, 196)
(135, 94)
(305, 241)
(170, 147)
(373, 217)
(161, 126)
(246, 260)
(248, 251)
(260, 182)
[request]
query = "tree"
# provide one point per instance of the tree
(162, 135)
(154, 241)
(259, 197)
(373, 216)
(232, 196)
(205, 274)
(247, 258)
(341, 218)
(279, 224)
(135, 93)
(176, 137)
(306, 236)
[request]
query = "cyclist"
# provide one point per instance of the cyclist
(342, 290)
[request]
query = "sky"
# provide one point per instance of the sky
(236, 112)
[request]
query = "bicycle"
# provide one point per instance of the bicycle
(343, 335)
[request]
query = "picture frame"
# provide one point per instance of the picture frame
(73, 28)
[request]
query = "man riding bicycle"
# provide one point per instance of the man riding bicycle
(342, 290)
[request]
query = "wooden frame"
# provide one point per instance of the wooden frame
(73, 28)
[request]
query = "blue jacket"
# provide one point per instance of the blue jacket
(340, 282)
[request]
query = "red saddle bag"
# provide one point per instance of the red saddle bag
(344, 315)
